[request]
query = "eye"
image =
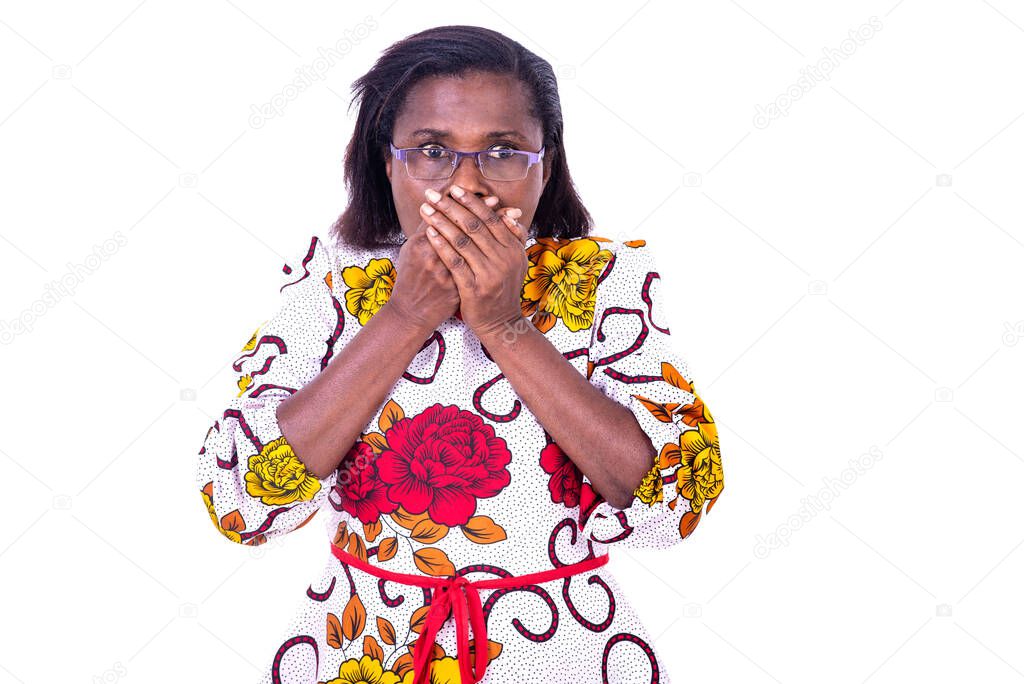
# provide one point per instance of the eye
(509, 153)
(426, 151)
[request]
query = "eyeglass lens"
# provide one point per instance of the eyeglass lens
(435, 164)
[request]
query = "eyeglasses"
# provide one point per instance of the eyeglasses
(438, 163)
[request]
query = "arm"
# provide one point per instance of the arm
(675, 472)
(601, 437)
(254, 480)
(324, 419)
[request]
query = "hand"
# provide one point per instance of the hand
(424, 292)
(484, 251)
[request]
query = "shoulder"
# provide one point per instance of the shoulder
(309, 264)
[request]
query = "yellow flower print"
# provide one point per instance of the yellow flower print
(442, 671)
(251, 344)
(700, 475)
(650, 489)
(561, 282)
(277, 477)
(244, 383)
(369, 288)
(366, 670)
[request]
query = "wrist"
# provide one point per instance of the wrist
(398, 318)
(505, 332)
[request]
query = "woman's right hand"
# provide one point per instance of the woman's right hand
(424, 292)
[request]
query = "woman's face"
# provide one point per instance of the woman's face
(464, 113)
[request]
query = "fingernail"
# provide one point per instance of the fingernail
(427, 209)
(457, 191)
(491, 201)
(433, 195)
(515, 212)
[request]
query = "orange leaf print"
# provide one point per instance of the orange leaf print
(334, 639)
(433, 562)
(493, 650)
(658, 410)
(389, 415)
(670, 455)
(308, 518)
(403, 664)
(688, 523)
(480, 529)
(407, 519)
(376, 441)
(372, 648)
(386, 631)
(427, 531)
(341, 535)
(353, 619)
(372, 530)
(356, 547)
(256, 541)
(674, 377)
(233, 521)
(695, 413)
(417, 618)
(635, 243)
(437, 652)
(387, 549)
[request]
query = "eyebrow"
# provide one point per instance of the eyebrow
(437, 133)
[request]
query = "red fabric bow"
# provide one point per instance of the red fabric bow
(460, 595)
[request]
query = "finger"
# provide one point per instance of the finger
(461, 243)
(461, 273)
(468, 222)
(514, 227)
(478, 209)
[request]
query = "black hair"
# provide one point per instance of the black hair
(370, 218)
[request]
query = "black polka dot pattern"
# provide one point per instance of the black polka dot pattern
(456, 476)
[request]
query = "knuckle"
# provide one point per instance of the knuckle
(473, 225)
(462, 241)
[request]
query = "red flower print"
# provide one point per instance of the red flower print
(361, 491)
(566, 478)
(441, 461)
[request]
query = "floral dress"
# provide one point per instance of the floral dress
(455, 476)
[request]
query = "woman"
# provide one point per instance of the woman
(481, 397)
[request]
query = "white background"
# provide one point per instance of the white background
(845, 281)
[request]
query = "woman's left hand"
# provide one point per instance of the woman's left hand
(484, 250)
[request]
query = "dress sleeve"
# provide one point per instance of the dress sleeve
(632, 360)
(254, 486)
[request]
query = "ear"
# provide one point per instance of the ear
(387, 166)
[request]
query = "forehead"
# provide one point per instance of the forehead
(469, 108)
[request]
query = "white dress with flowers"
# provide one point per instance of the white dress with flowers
(455, 475)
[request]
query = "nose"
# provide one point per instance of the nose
(468, 177)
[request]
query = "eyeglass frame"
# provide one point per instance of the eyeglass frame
(532, 159)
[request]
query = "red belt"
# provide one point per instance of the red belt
(466, 607)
